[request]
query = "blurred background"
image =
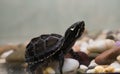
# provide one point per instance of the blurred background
(21, 20)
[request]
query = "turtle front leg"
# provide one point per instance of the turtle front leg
(61, 62)
(75, 55)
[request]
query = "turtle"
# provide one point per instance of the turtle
(52, 47)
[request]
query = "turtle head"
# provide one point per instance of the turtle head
(75, 30)
(72, 34)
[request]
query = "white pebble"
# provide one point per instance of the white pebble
(115, 64)
(7, 53)
(118, 58)
(70, 65)
(2, 61)
(91, 71)
(83, 47)
(117, 70)
(49, 70)
(100, 45)
(83, 67)
(92, 63)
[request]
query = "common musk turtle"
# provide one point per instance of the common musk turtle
(50, 47)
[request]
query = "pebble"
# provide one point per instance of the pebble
(93, 55)
(115, 64)
(83, 47)
(118, 58)
(103, 69)
(90, 71)
(5, 48)
(99, 69)
(2, 61)
(108, 56)
(83, 68)
(99, 46)
(92, 64)
(49, 70)
(117, 70)
(109, 69)
(7, 53)
(70, 65)
(18, 55)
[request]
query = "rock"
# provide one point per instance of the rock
(83, 58)
(117, 70)
(93, 55)
(109, 69)
(7, 53)
(76, 46)
(118, 58)
(115, 64)
(90, 71)
(2, 61)
(83, 47)
(83, 68)
(99, 69)
(111, 36)
(103, 34)
(108, 56)
(5, 48)
(92, 64)
(80, 56)
(49, 70)
(18, 55)
(104, 69)
(70, 65)
(99, 46)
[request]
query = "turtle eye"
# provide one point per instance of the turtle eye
(72, 29)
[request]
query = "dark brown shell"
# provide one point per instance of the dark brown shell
(36, 50)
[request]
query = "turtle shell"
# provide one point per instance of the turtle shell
(41, 48)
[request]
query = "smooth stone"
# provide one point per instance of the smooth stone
(103, 34)
(83, 68)
(92, 64)
(99, 69)
(76, 47)
(5, 48)
(93, 55)
(7, 53)
(109, 69)
(118, 36)
(99, 46)
(82, 57)
(49, 70)
(108, 56)
(118, 58)
(90, 71)
(18, 55)
(117, 70)
(115, 64)
(83, 47)
(70, 65)
(2, 61)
